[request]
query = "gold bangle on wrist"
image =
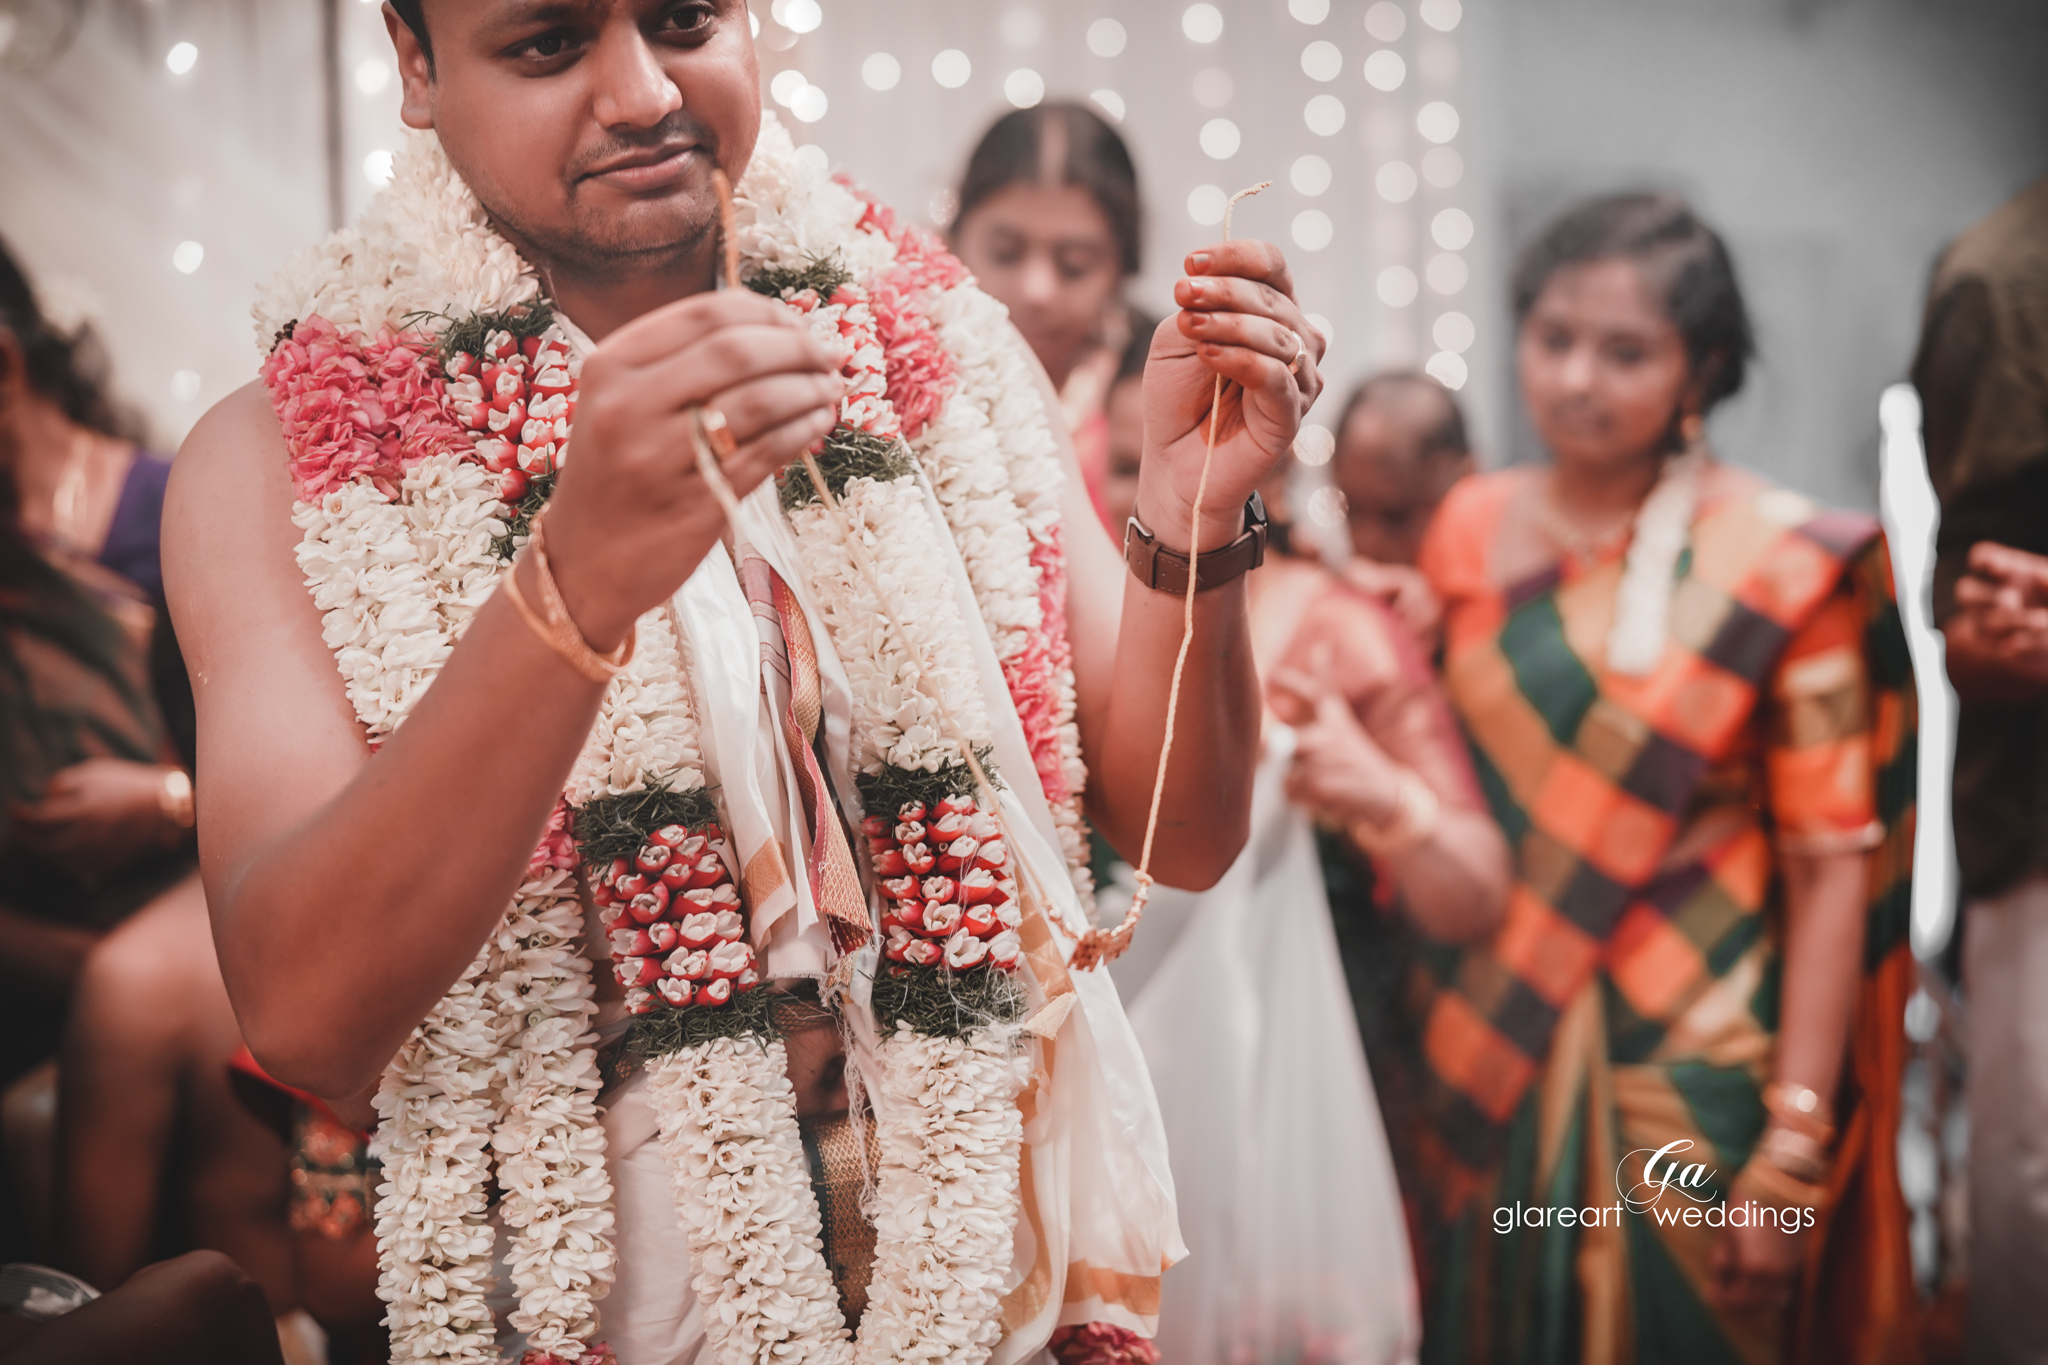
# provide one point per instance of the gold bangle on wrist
(1417, 813)
(552, 622)
(1799, 1155)
(1802, 1108)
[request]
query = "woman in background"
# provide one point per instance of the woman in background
(1688, 694)
(1049, 222)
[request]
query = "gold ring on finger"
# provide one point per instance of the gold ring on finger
(717, 431)
(1300, 354)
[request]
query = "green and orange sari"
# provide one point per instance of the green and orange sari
(1630, 997)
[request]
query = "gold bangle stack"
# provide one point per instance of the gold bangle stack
(552, 622)
(1416, 815)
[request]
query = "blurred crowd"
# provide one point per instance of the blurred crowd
(1595, 774)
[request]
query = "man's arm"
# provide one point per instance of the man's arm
(1239, 319)
(348, 891)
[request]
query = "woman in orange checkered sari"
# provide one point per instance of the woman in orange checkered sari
(1659, 1104)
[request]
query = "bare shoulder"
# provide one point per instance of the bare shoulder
(276, 732)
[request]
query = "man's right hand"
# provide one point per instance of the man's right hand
(632, 516)
(1998, 636)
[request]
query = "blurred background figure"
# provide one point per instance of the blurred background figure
(1254, 1009)
(1050, 223)
(1401, 444)
(124, 1142)
(1126, 445)
(1982, 373)
(95, 728)
(1688, 694)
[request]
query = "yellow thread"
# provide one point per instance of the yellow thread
(1098, 946)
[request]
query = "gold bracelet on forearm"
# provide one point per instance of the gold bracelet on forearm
(552, 622)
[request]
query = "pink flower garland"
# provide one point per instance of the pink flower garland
(1101, 1343)
(1034, 671)
(349, 410)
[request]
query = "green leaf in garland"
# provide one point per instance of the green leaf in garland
(943, 1003)
(539, 488)
(616, 826)
(848, 454)
(667, 1030)
(890, 790)
(824, 274)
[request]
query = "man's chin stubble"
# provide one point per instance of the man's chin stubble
(597, 248)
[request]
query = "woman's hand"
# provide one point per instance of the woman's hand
(1239, 319)
(1338, 768)
(632, 516)
(1756, 1268)
(106, 809)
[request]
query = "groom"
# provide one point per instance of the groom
(348, 894)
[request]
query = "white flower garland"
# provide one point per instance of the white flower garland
(1642, 604)
(743, 1193)
(505, 1059)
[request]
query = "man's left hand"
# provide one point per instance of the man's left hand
(1238, 319)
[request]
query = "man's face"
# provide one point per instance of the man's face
(1390, 489)
(589, 128)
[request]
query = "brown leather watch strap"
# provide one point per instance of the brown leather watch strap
(1166, 570)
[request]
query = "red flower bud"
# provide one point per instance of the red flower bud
(511, 486)
(706, 871)
(730, 959)
(981, 921)
(529, 347)
(601, 895)
(495, 451)
(940, 920)
(910, 832)
(676, 992)
(697, 930)
(922, 952)
(992, 855)
(730, 926)
(639, 1001)
(500, 344)
(977, 885)
(940, 889)
(507, 421)
(900, 888)
(715, 992)
(890, 862)
(638, 971)
(629, 884)
(910, 810)
(692, 963)
(983, 826)
(1009, 914)
(668, 836)
(949, 827)
(725, 896)
(459, 364)
(964, 950)
(958, 854)
(652, 858)
(920, 858)
(876, 827)
(956, 805)
(899, 940)
(649, 905)
(1004, 950)
(662, 934)
(676, 876)
(746, 981)
(631, 943)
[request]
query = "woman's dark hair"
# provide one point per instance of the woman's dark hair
(1679, 255)
(1059, 144)
(71, 370)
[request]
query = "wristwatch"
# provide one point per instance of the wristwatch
(1167, 570)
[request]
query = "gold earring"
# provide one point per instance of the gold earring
(1693, 428)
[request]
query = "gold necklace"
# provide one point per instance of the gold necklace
(1573, 539)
